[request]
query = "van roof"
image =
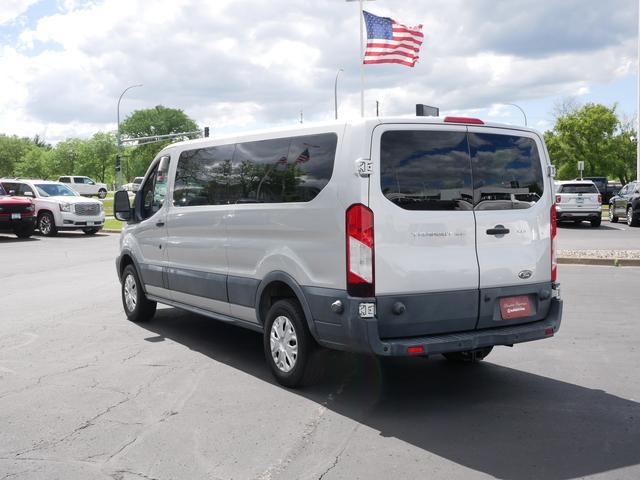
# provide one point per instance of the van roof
(338, 125)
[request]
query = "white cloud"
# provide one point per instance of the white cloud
(12, 9)
(234, 63)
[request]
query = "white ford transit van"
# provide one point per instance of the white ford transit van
(393, 236)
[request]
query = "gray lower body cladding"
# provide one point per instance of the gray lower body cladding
(440, 323)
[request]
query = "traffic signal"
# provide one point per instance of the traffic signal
(206, 132)
(118, 163)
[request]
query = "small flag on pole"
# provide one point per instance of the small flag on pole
(304, 157)
(391, 42)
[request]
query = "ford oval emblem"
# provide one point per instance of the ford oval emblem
(524, 274)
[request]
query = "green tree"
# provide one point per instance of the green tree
(594, 134)
(12, 150)
(37, 163)
(148, 122)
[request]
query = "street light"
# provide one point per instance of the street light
(335, 92)
(519, 108)
(119, 152)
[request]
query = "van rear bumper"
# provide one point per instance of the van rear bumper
(348, 331)
(470, 340)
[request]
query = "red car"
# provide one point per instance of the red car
(17, 215)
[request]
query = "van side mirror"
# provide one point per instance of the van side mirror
(121, 206)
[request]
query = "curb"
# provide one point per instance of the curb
(108, 230)
(609, 262)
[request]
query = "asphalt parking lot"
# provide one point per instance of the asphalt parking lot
(86, 394)
(608, 236)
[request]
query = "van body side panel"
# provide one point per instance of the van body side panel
(196, 250)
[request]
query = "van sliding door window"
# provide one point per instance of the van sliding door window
(426, 170)
(506, 171)
(203, 177)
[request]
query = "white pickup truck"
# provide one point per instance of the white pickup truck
(85, 186)
(577, 201)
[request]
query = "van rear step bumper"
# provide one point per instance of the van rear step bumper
(471, 340)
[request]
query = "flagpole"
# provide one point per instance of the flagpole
(361, 59)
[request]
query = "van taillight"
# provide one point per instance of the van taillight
(554, 231)
(360, 251)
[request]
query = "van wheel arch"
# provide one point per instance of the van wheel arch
(277, 286)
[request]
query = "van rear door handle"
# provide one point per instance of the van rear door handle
(159, 224)
(498, 230)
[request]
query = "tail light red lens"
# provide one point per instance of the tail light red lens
(360, 251)
(554, 231)
(558, 198)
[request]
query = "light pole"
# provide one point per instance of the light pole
(520, 108)
(638, 104)
(335, 92)
(119, 140)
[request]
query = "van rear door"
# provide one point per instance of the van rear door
(512, 203)
(424, 230)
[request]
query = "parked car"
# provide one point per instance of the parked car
(578, 201)
(85, 186)
(134, 185)
(17, 214)
(460, 214)
(626, 204)
(58, 207)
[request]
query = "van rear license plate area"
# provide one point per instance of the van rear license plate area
(515, 307)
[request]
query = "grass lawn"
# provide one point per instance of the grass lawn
(113, 224)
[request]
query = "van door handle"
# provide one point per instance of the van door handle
(159, 224)
(498, 230)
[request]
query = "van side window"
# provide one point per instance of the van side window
(203, 177)
(426, 170)
(506, 171)
(278, 170)
(153, 192)
(261, 171)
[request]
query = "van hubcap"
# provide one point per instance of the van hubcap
(284, 344)
(130, 293)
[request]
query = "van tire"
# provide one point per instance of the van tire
(141, 309)
(306, 365)
(468, 356)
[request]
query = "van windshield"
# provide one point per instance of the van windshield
(446, 170)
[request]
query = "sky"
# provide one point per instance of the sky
(237, 65)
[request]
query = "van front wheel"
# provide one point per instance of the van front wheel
(468, 356)
(289, 348)
(136, 304)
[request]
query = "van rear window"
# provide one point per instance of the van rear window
(577, 188)
(446, 170)
(426, 170)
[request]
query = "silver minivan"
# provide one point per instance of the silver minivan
(391, 236)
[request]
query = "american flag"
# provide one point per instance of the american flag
(304, 156)
(391, 42)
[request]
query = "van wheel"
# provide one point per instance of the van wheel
(596, 223)
(136, 304)
(47, 224)
(612, 217)
(468, 356)
(289, 348)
